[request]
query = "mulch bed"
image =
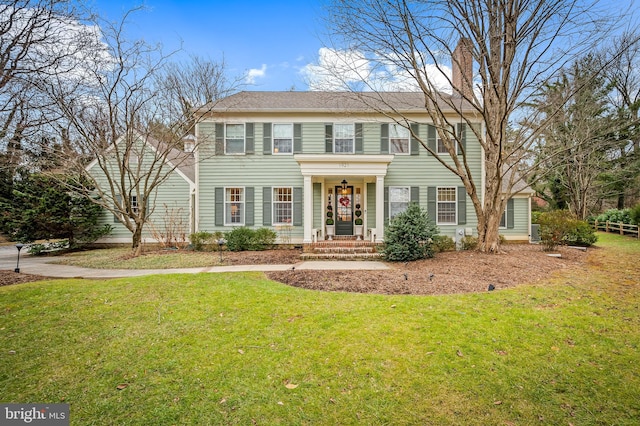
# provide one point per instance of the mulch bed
(450, 272)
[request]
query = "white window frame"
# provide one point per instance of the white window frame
(244, 138)
(275, 201)
(274, 150)
(397, 127)
(353, 138)
(230, 202)
(506, 220)
(133, 200)
(454, 202)
(391, 193)
(440, 142)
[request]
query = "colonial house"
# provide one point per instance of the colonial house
(288, 160)
(311, 165)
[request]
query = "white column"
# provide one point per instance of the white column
(379, 209)
(307, 209)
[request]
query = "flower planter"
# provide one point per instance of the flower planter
(331, 229)
(358, 231)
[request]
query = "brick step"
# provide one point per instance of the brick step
(341, 256)
(343, 249)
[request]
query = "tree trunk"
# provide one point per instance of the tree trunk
(136, 240)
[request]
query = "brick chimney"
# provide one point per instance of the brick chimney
(462, 68)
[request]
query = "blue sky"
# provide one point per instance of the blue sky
(275, 39)
(272, 41)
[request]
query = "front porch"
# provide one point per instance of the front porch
(342, 182)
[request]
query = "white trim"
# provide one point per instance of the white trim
(273, 139)
(328, 165)
(244, 138)
(408, 140)
(455, 202)
(353, 139)
(401, 187)
(273, 202)
(224, 205)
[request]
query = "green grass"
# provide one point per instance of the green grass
(121, 258)
(221, 349)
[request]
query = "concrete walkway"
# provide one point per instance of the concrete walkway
(41, 266)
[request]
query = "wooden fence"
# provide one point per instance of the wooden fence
(617, 227)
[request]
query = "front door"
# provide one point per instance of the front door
(344, 210)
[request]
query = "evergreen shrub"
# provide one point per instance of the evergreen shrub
(409, 236)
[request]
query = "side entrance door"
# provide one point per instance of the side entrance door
(344, 210)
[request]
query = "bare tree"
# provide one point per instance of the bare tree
(504, 50)
(194, 83)
(122, 119)
(39, 39)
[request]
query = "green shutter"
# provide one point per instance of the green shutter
(510, 213)
(266, 206)
(359, 139)
(297, 206)
(249, 207)
(266, 138)
(249, 143)
(297, 138)
(328, 138)
(462, 205)
(386, 205)
(431, 203)
(219, 206)
(461, 129)
(219, 148)
(415, 142)
(431, 137)
(115, 216)
(384, 138)
(415, 194)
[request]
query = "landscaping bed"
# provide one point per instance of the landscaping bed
(449, 272)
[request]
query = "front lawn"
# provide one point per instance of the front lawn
(239, 349)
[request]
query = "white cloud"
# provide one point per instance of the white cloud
(255, 73)
(352, 70)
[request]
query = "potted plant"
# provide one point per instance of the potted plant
(329, 222)
(358, 222)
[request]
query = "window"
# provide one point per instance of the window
(234, 206)
(399, 198)
(234, 139)
(282, 206)
(283, 138)
(134, 204)
(442, 149)
(503, 219)
(343, 138)
(446, 206)
(398, 139)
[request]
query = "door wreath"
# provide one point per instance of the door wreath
(345, 201)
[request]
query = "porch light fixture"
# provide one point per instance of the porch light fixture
(344, 185)
(19, 247)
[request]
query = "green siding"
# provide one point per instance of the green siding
(170, 199)
(261, 170)
(520, 220)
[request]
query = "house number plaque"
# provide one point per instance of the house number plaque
(344, 165)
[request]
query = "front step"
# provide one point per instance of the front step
(343, 249)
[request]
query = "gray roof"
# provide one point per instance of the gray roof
(249, 101)
(183, 161)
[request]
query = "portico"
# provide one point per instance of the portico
(329, 171)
